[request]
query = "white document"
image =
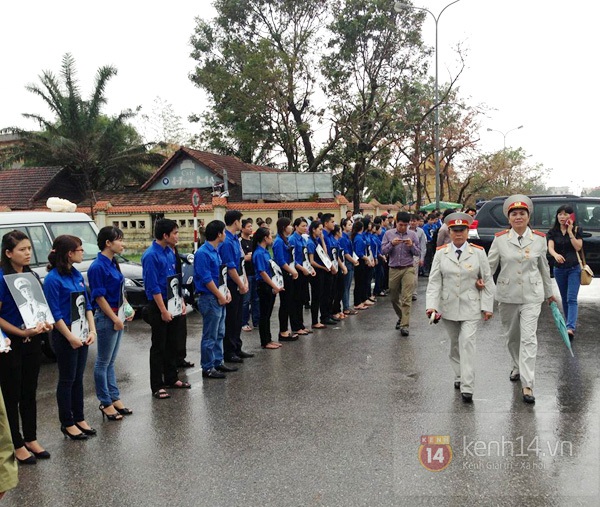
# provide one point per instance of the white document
(324, 257)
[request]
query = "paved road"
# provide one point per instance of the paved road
(336, 419)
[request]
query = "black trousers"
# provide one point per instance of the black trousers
(429, 253)
(232, 342)
(163, 351)
(181, 338)
(297, 311)
(369, 279)
(327, 297)
(338, 291)
(266, 300)
(19, 370)
(360, 283)
(316, 293)
(286, 302)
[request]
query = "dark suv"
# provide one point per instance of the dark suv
(491, 220)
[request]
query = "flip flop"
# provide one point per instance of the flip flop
(179, 385)
(161, 394)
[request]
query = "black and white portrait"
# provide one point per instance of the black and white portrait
(223, 280)
(29, 297)
(79, 324)
(174, 296)
(4, 346)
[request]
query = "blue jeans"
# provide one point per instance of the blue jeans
(378, 272)
(69, 391)
(569, 281)
(347, 285)
(213, 331)
(251, 298)
(104, 369)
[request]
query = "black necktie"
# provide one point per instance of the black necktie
(520, 238)
(458, 252)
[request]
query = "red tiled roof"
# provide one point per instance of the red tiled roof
(342, 200)
(20, 187)
(216, 163)
(281, 205)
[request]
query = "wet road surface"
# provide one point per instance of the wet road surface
(337, 419)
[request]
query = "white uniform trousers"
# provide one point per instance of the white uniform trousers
(463, 335)
(520, 324)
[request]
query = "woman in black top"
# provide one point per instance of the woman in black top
(564, 241)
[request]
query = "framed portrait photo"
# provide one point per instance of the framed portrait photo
(27, 292)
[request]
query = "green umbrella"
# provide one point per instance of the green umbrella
(561, 326)
(443, 205)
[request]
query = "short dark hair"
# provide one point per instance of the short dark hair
(212, 230)
(233, 215)
(299, 221)
(108, 233)
(326, 217)
(259, 236)
(403, 216)
(246, 221)
(164, 226)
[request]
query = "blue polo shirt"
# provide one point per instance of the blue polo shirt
(360, 246)
(299, 244)
(375, 245)
(346, 244)
(207, 264)
(231, 252)
(282, 252)
(262, 263)
(106, 281)
(158, 264)
(58, 289)
(312, 249)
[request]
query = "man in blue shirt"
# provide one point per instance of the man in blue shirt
(232, 256)
(208, 278)
(327, 318)
(158, 264)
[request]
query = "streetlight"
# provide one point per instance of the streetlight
(504, 134)
(398, 6)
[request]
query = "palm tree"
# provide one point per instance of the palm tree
(101, 152)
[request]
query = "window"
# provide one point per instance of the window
(83, 230)
(124, 224)
(116, 224)
(287, 213)
(40, 242)
(190, 223)
(132, 224)
(182, 223)
(269, 221)
(142, 224)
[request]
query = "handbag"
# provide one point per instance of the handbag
(587, 275)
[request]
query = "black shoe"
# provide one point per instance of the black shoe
(234, 359)
(226, 369)
(111, 417)
(245, 355)
(335, 318)
(398, 324)
(514, 376)
(90, 433)
(213, 373)
(288, 338)
(329, 322)
(27, 461)
(528, 398)
(39, 455)
(78, 436)
(467, 397)
(457, 384)
(404, 331)
(185, 364)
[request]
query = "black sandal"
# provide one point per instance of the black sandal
(181, 385)
(161, 394)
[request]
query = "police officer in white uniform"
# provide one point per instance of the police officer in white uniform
(453, 292)
(522, 286)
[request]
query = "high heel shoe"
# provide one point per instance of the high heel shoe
(89, 432)
(30, 460)
(39, 455)
(111, 417)
(79, 436)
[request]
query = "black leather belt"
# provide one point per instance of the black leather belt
(401, 267)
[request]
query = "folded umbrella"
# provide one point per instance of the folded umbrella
(561, 326)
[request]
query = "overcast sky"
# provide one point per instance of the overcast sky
(529, 60)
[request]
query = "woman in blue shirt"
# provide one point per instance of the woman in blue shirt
(266, 287)
(360, 270)
(304, 275)
(108, 300)
(371, 247)
(20, 367)
(283, 254)
(315, 239)
(350, 262)
(63, 287)
(340, 276)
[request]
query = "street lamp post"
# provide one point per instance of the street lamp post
(399, 6)
(504, 134)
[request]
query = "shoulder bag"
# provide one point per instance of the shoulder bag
(587, 275)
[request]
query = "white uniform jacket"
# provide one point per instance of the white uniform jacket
(451, 289)
(524, 272)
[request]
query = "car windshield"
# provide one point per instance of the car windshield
(83, 230)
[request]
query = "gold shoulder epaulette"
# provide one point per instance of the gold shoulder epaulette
(501, 232)
(477, 246)
(441, 246)
(543, 235)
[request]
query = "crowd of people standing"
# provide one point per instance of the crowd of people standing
(238, 273)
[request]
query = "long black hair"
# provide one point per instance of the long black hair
(259, 236)
(282, 223)
(9, 242)
(357, 227)
(567, 208)
(59, 255)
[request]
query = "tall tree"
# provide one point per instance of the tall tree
(101, 151)
(373, 53)
(256, 60)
